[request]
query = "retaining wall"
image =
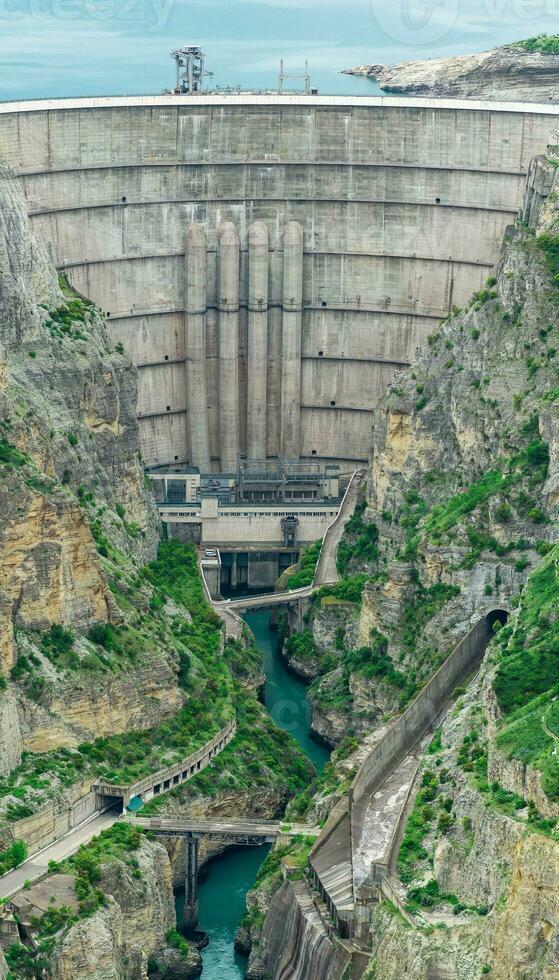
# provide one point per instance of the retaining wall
(53, 821)
(421, 714)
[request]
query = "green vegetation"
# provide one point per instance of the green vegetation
(532, 462)
(307, 567)
(412, 850)
(11, 456)
(349, 589)
(332, 780)
(86, 866)
(527, 682)
(359, 541)
(374, 661)
(543, 43)
(429, 896)
(261, 755)
(12, 856)
(62, 322)
(174, 939)
(302, 647)
(204, 676)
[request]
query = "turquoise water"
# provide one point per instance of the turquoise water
(222, 893)
(285, 695)
(222, 906)
(121, 47)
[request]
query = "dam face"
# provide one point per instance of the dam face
(270, 261)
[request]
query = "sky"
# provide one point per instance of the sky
(101, 47)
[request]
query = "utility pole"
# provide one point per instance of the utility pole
(306, 78)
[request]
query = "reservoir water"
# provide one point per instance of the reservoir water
(222, 893)
(57, 48)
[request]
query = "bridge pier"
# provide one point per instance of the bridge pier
(190, 920)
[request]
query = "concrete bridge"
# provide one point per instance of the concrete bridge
(326, 572)
(239, 833)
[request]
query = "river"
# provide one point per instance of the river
(222, 893)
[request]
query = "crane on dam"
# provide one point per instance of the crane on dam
(190, 62)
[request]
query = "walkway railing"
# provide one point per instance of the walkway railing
(166, 779)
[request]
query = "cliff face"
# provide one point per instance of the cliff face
(460, 517)
(510, 73)
(118, 940)
(71, 481)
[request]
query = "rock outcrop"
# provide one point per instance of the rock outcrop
(71, 481)
(510, 73)
(119, 940)
(461, 512)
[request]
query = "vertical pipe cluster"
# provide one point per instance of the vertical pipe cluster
(291, 340)
(228, 329)
(257, 367)
(195, 346)
(228, 308)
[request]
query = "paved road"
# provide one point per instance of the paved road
(327, 569)
(37, 864)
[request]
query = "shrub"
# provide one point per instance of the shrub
(307, 567)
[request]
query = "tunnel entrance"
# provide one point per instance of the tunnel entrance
(497, 616)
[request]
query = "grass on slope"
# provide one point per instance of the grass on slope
(531, 462)
(527, 678)
(359, 540)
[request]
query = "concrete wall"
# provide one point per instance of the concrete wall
(403, 204)
(241, 525)
(55, 820)
(421, 713)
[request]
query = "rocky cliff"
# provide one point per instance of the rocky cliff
(523, 72)
(133, 929)
(71, 483)
(460, 517)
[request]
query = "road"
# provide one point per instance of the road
(36, 865)
(327, 569)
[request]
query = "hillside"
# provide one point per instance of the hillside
(527, 71)
(460, 518)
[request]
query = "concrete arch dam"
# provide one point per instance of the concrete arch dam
(270, 261)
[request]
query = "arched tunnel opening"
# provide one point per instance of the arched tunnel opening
(497, 616)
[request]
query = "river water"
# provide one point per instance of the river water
(222, 893)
